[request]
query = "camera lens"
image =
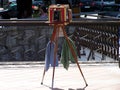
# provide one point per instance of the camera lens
(57, 16)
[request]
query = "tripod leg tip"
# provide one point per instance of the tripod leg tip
(86, 85)
(41, 83)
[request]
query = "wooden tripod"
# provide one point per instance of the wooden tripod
(54, 38)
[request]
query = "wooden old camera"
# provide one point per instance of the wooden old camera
(60, 14)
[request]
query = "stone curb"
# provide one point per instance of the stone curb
(42, 62)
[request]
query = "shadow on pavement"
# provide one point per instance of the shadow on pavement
(56, 89)
(77, 89)
(63, 89)
(53, 88)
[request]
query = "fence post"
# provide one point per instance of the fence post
(118, 35)
(119, 62)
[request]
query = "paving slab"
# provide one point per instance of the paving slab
(28, 77)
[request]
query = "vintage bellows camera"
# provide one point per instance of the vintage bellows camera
(60, 14)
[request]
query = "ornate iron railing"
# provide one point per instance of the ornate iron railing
(27, 39)
(98, 35)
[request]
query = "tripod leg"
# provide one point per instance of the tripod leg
(53, 75)
(52, 39)
(74, 55)
(43, 77)
(55, 51)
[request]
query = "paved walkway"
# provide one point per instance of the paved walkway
(28, 77)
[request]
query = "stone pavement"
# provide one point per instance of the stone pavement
(28, 77)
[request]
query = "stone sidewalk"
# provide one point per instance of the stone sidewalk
(29, 76)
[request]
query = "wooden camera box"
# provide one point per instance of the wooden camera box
(60, 14)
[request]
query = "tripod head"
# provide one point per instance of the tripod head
(60, 14)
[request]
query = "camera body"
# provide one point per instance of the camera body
(60, 14)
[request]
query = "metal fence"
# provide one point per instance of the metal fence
(23, 40)
(99, 36)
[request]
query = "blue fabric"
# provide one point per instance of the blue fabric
(49, 56)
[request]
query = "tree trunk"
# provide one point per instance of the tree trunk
(24, 8)
(117, 1)
(2, 3)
